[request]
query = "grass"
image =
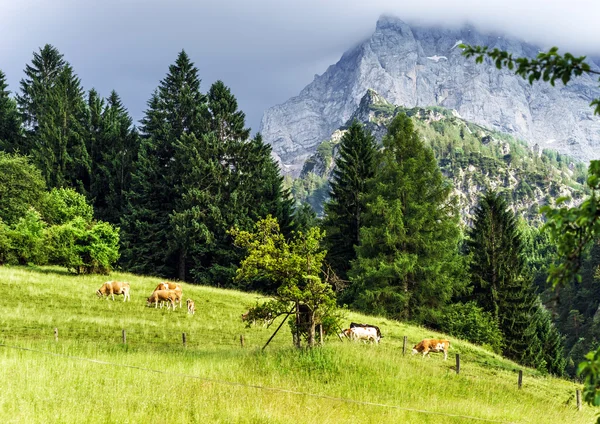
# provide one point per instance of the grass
(214, 379)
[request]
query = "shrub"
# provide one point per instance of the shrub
(468, 321)
(64, 204)
(84, 247)
(27, 240)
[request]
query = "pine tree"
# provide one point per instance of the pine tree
(551, 340)
(176, 109)
(226, 120)
(113, 144)
(407, 261)
(54, 112)
(10, 121)
(343, 212)
(500, 283)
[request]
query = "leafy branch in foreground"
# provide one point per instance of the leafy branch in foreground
(548, 66)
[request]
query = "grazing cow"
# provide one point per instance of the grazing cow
(166, 285)
(161, 296)
(191, 306)
(353, 325)
(432, 345)
(110, 288)
(367, 334)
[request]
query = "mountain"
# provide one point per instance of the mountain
(471, 156)
(423, 66)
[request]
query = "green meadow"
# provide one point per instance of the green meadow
(90, 376)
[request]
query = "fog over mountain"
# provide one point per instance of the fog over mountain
(423, 66)
(265, 50)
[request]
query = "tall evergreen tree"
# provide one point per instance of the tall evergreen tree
(113, 144)
(54, 111)
(226, 121)
(407, 261)
(343, 212)
(176, 109)
(10, 121)
(502, 286)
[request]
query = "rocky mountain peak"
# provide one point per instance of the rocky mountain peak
(415, 66)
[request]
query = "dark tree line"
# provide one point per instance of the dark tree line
(174, 186)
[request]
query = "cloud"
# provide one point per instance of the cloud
(265, 50)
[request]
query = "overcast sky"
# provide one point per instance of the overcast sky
(265, 50)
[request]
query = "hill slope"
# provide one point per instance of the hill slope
(471, 156)
(415, 66)
(213, 379)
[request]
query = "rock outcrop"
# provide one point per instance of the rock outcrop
(418, 67)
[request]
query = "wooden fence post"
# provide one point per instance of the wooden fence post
(55, 334)
(321, 334)
(457, 363)
(241, 340)
(183, 338)
(578, 395)
(124, 337)
(520, 378)
(404, 345)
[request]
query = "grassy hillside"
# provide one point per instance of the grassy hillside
(213, 379)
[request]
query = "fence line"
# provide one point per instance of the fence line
(253, 386)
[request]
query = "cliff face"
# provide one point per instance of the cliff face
(418, 67)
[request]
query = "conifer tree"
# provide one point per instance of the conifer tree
(53, 109)
(343, 212)
(176, 109)
(502, 285)
(226, 120)
(10, 121)
(407, 261)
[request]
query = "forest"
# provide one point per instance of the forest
(186, 193)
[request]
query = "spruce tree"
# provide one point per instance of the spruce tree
(354, 165)
(501, 284)
(54, 112)
(225, 119)
(10, 121)
(407, 261)
(176, 109)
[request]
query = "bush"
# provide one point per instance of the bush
(468, 321)
(26, 240)
(64, 204)
(84, 247)
(6, 253)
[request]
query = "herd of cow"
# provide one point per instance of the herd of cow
(371, 333)
(172, 294)
(165, 292)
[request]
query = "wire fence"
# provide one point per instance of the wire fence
(255, 386)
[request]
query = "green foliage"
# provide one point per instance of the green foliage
(354, 166)
(407, 262)
(295, 266)
(10, 120)
(61, 205)
(27, 243)
(470, 322)
(589, 370)
(21, 187)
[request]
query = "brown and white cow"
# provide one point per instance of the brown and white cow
(432, 345)
(191, 306)
(110, 288)
(167, 285)
(367, 334)
(161, 296)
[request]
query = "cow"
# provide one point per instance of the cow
(191, 306)
(368, 334)
(161, 296)
(110, 288)
(166, 285)
(432, 345)
(353, 325)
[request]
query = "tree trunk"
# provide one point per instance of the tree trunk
(311, 332)
(298, 342)
(181, 266)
